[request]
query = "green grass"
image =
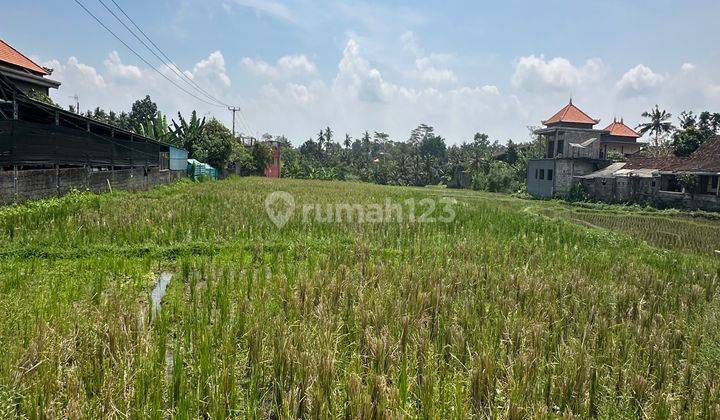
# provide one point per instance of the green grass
(514, 310)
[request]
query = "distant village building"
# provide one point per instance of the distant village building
(573, 147)
(272, 170)
(672, 181)
(578, 154)
(23, 72)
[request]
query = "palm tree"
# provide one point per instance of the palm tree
(659, 124)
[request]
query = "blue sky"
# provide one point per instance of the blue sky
(296, 66)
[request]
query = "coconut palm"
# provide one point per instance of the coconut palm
(659, 124)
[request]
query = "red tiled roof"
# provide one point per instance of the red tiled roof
(12, 56)
(705, 159)
(571, 114)
(621, 130)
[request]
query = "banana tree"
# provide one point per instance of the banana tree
(187, 134)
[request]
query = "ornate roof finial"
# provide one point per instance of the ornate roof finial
(621, 120)
(570, 99)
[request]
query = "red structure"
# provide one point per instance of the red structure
(272, 170)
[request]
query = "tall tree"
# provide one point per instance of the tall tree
(658, 126)
(418, 134)
(142, 111)
(321, 139)
(328, 135)
(187, 134)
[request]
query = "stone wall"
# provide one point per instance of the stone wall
(622, 189)
(643, 190)
(567, 169)
(20, 185)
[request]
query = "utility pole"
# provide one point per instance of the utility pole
(77, 103)
(234, 109)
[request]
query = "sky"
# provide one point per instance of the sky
(460, 66)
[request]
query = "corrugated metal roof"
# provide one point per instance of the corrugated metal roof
(618, 169)
(607, 172)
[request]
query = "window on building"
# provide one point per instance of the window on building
(551, 149)
(542, 173)
(560, 147)
(550, 174)
(715, 183)
(536, 174)
(164, 161)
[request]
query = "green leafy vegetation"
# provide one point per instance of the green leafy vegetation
(509, 311)
(421, 160)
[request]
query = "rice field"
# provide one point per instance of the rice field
(510, 311)
(671, 230)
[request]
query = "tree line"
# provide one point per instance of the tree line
(422, 159)
(682, 140)
(208, 141)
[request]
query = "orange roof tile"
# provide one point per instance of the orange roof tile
(621, 130)
(571, 114)
(12, 56)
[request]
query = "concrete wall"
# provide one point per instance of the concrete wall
(568, 136)
(540, 187)
(646, 191)
(622, 189)
(567, 169)
(39, 183)
(708, 202)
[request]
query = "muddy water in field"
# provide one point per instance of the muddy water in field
(159, 292)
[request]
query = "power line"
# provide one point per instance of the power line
(100, 22)
(172, 67)
(175, 66)
(177, 70)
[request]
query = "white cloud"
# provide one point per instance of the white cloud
(212, 69)
(285, 66)
(639, 80)
(410, 43)
(119, 70)
(75, 73)
(269, 7)
(296, 63)
(361, 98)
(357, 78)
(367, 93)
(119, 85)
(430, 69)
(687, 67)
(535, 74)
